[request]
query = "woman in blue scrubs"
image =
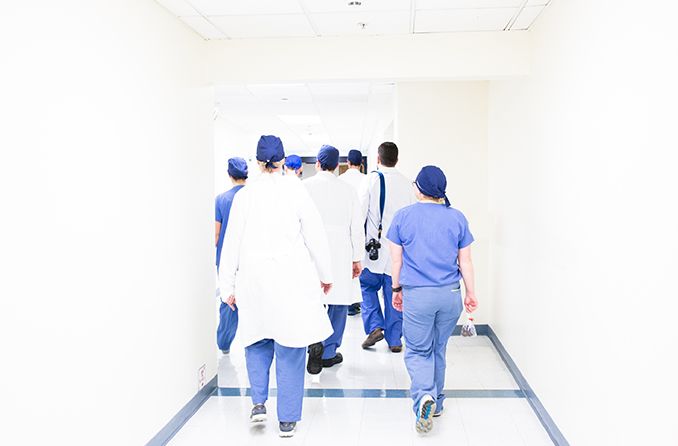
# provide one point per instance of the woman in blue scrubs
(431, 253)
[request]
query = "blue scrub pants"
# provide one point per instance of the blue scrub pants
(391, 321)
(228, 325)
(289, 373)
(337, 314)
(429, 317)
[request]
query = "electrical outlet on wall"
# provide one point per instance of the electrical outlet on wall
(202, 376)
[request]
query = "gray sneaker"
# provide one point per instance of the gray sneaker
(258, 413)
(287, 429)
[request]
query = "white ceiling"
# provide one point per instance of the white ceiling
(242, 19)
(347, 115)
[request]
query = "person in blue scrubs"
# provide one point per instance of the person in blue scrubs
(228, 319)
(293, 166)
(431, 253)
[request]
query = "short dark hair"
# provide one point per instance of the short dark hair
(388, 154)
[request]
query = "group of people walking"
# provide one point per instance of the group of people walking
(294, 256)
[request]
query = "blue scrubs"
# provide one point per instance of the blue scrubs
(289, 373)
(431, 236)
(391, 321)
(337, 314)
(228, 319)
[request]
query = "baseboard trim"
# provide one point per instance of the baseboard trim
(177, 422)
(549, 425)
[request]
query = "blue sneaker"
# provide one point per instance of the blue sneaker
(354, 309)
(287, 429)
(438, 412)
(427, 407)
(258, 413)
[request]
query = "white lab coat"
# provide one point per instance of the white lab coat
(399, 193)
(340, 210)
(274, 257)
(355, 178)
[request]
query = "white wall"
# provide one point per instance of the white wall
(582, 193)
(107, 289)
(482, 55)
(445, 124)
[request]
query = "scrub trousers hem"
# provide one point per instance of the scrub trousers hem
(390, 320)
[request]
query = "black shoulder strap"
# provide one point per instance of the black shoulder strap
(382, 200)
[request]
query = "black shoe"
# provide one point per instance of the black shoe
(374, 337)
(396, 348)
(333, 361)
(315, 358)
(354, 309)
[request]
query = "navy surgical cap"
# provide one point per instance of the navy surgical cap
(293, 162)
(355, 157)
(237, 168)
(270, 150)
(328, 157)
(431, 181)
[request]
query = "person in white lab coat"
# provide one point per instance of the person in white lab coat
(340, 210)
(356, 179)
(377, 273)
(276, 233)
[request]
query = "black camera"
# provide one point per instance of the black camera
(372, 248)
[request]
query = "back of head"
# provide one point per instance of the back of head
(293, 162)
(237, 168)
(270, 152)
(328, 157)
(355, 157)
(388, 154)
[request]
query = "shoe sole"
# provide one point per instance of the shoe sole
(260, 418)
(287, 434)
(333, 363)
(379, 338)
(424, 425)
(315, 359)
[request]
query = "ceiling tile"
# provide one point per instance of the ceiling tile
(178, 7)
(252, 26)
(463, 20)
(468, 4)
(247, 7)
(319, 6)
(377, 23)
(537, 2)
(526, 17)
(283, 93)
(203, 27)
(339, 89)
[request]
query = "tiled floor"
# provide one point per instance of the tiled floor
(472, 364)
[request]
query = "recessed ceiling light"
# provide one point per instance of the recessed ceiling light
(354, 3)
(283, 99)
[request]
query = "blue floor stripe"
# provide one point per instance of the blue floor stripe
(381, 393)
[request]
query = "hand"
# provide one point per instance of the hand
(326, 287)
(470, 302)
(397, 301)
(231, 302)
(357, 269)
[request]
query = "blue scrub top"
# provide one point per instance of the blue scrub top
(431, 236)
(223, 209)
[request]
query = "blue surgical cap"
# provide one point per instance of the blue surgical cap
(237, 168)
(328, 157)
(355, 157)
(431, 181)
(270, 150)
(293, 162)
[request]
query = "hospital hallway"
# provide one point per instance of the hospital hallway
(365, 400)
(529, 144)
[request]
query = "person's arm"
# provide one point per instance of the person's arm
(466, 269)
(230, 252)
(217, 227)
(315, 238)
(397, 263)
(357, 235)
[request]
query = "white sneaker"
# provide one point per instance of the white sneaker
(287, 429)
(427, 407)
